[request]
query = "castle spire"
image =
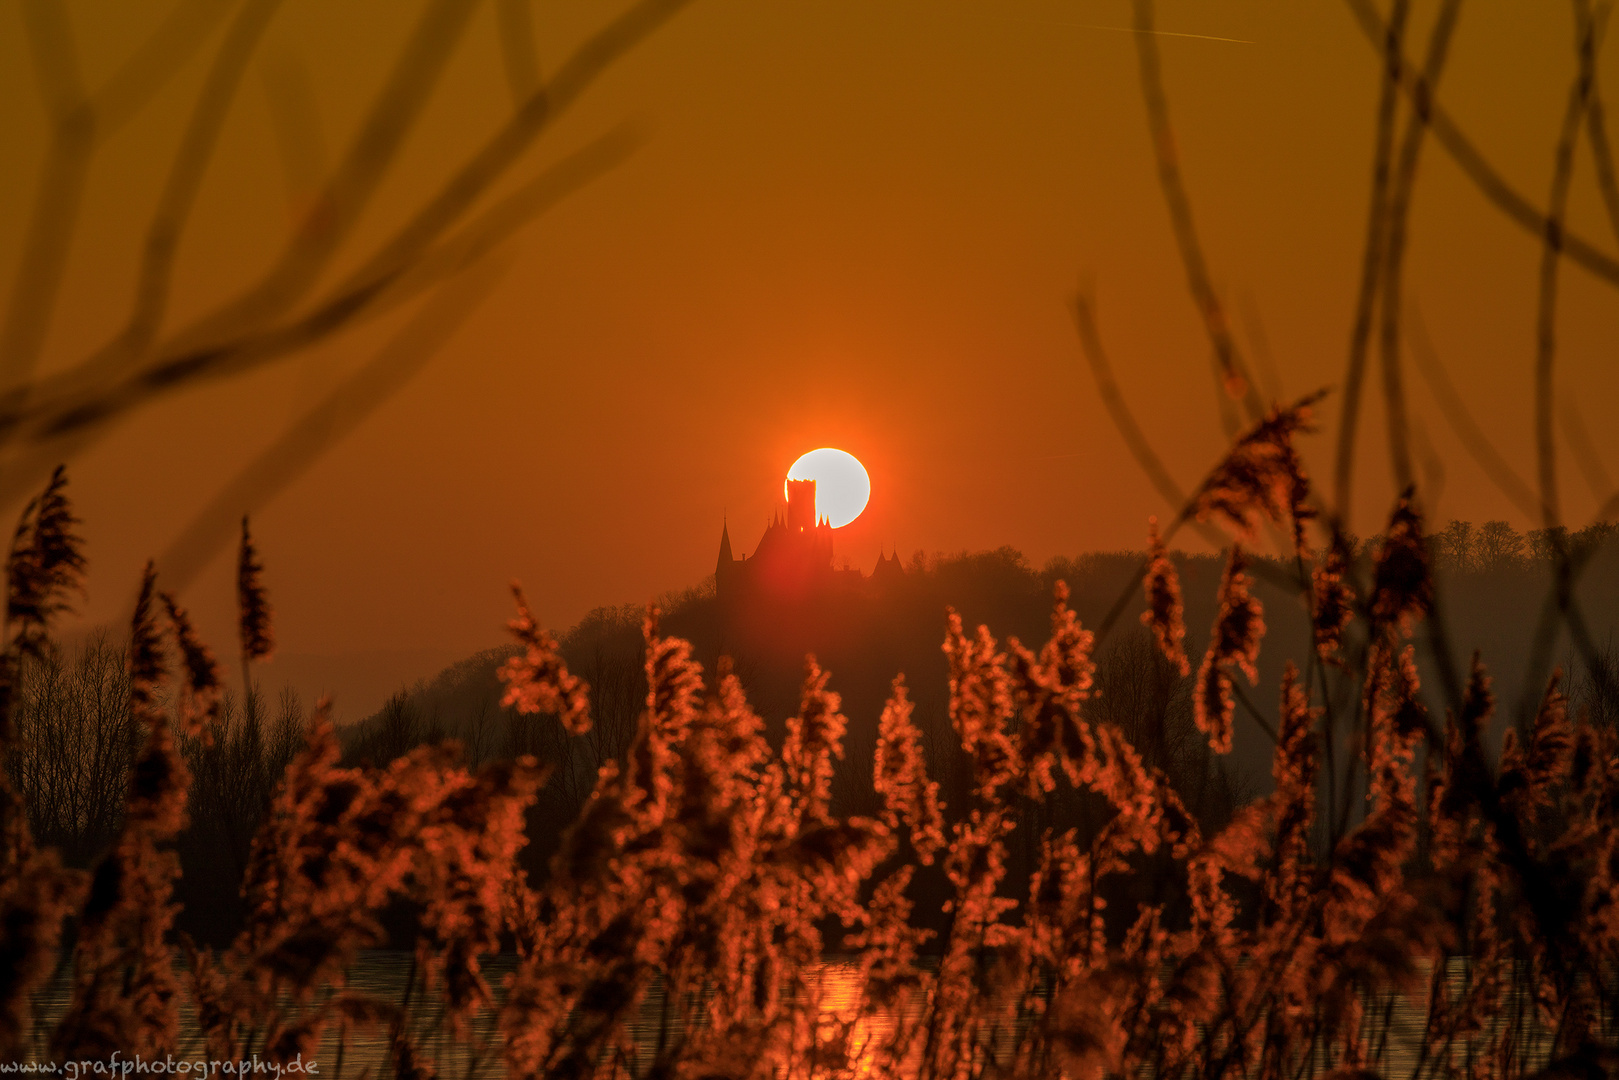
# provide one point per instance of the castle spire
(726, 558)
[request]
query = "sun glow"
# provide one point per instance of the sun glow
(842, 485)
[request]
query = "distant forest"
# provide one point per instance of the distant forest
(78, 738)
(1494, 579)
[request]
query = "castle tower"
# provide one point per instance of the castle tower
(800, 506)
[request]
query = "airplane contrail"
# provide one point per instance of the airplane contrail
(1163, 33)
(1166, 33)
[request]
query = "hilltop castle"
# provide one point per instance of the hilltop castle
(793, 557)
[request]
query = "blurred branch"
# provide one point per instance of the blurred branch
(393, 114)
(155, 62)
(1360, 333)
(63, 413)
(1402, 186)
(1233, 376)
(297, 448)
(473, 267)
(1472, 437)
(1124, 420)
(79, 121)
(444, 260)
(1117, 408)
(519, 208)
(1546, 318)
(61, 185)
(296, 124)
(1585, 451)
(1596, 130)
(190, 162)
(517, 49)
(1467, 156)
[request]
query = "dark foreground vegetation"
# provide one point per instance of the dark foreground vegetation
(1088, 897)
(1021, 862)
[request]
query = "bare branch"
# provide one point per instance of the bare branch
(1229, 366)
(1472, 436)
(318, 430)
(517, 50)
(158, 59)
(1401, 189)
(69, 406)
(1585, 451)
(61, 186)
(296, 124)
(1118, 409)
(1490, 183)
(1596, 129)
(1371, 265)
(1546, 321)
(79, 122)
(185, 174)
(393, 114)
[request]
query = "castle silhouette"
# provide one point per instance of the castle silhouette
(794, 556)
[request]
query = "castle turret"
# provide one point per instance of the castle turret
(800, 506)
(889, 568)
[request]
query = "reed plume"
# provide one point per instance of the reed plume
(199, 711)
(125, 995)
(1262, 476)
(1234, 643)
(718, 869)
(253, 604)
(899, 776)
(1332, 601)
(538, 681)
(45, 565)
(36, 892)
(1165, 614)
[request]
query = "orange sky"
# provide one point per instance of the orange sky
(854, 223)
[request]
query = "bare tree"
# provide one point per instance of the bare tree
(76, 740)
(1500, 546)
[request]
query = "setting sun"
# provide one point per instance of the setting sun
(842, 485)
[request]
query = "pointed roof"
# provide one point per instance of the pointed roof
(725, 544)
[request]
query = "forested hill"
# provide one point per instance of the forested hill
(1494, 586)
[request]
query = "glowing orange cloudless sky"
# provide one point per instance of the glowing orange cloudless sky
(852, 224)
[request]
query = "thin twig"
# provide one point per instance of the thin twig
(295, 122)
(401, 358)
(185, 174)
(1472, 437)
(69, 406)
(1485, 177)
(517, 51)
(1389, 40)
(1117, 408)
(297, 448)
(1232, 373)
(1402, 186)
(1124, 420)
(80, 121)
(1596, 130)
(1585, 451)
(1546, 320)
(336, 211)
(62, 177)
